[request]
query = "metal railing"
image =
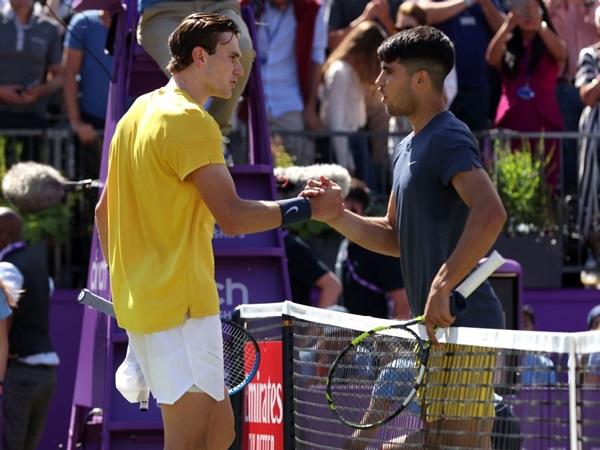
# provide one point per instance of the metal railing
(56, 146)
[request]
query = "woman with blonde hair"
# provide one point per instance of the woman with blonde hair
(348, 75)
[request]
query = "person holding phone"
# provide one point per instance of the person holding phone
(528, 53)
(25, 105)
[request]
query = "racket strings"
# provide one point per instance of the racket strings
(375, 378)
(240, 355)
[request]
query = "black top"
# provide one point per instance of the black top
(304, 267)
(366, 285)
(29, 331)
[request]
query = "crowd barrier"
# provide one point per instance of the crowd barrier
(57, 146)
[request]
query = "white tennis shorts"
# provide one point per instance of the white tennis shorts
(169, 363)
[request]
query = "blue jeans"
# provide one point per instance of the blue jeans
(571, 106)
(359, 146)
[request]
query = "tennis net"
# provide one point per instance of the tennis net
(542, 388)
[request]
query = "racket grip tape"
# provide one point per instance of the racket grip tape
(458, 302)
(87, 297)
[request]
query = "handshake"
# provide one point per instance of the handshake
(326, 200)
(325, 185)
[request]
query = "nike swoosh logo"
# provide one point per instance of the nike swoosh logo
(411, 163)
(293, 208)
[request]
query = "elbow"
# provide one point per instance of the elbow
(337, 289)
(492, 59)
(498, 219)
(100, 212)
(231, 226)
(561, 57)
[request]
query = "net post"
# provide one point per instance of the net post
(237, 399)
(287, 349)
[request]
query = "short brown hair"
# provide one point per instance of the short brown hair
(197, 30)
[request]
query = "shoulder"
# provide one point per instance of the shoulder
(339, 69)
(84, 19)
(449, 130)
(41, 20)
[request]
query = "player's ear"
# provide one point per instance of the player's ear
(422, 76)
(418, 79)
(199, 55)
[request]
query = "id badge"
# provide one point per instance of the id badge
(525, 93)
(467, 21)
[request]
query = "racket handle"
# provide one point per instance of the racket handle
(480, 274)
(87, 297)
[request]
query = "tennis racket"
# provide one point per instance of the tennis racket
(241, 354)
(377, 375)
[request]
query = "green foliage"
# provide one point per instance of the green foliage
(281, 158)
(527, 197)
(51, 224)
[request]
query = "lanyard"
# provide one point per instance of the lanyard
(356, 277)
(276, 27)
(11, 248)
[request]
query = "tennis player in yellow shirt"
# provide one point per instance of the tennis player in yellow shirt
(166, 185)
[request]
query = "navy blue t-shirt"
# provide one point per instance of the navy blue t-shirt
(431, 214)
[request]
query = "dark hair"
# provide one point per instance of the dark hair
(360, 192)
(528, 310)
(198, 30)
(420, 48)
(515, 51)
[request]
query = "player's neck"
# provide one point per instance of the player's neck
(426, 111)
(190, 83)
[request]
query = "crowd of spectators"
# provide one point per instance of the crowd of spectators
(516, 65)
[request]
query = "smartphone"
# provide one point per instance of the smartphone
(517, 5)
(28, 86)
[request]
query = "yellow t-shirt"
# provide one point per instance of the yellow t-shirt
(159, 228)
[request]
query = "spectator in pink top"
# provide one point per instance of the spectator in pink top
(529, 54)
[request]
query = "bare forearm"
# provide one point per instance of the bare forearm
(555, 45)
(53, 82)
(497, 46)
(70, 94)
(373, 233)
(249, 216)
(590, 93)
(480, 234)
(493, 16)
(438, 12)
